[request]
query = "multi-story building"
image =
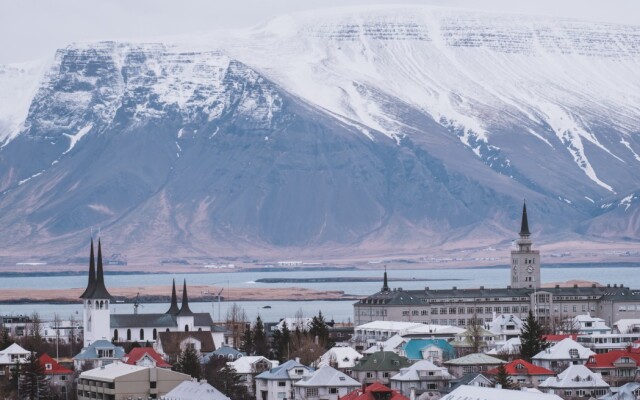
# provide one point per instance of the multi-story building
(462, 307)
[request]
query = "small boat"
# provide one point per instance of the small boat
(266, 307)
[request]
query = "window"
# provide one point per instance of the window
(282, 383)
(369, 375)
(573, 353)
(312, 392)
(128, 334)
(385, 375)
(48, 367)
(155, 334)
(141, 334)
(299, 371)
(333, 390)
(405, 313)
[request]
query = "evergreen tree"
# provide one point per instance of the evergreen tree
(5, 339)
(320, 330)
(247, 342)
(188, 363)
(33, 382)
(259, 336)
(531, 338)
(280, 344)
(502, 378)
(224, 378)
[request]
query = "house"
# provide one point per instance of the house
(616, 367)
(434, 350)
(576, 381)
(394, 343)
(562, 354)
(124, 381)
(325, 383)
(171, 344)
(343, 358)
(585, 324)
(145, 357)
(505, 327)
(191, 390)
(249, 367)
(470, 380)
(379, 367)
(277, 383)
(422, 376)
(9, 357)
(97, 354)
(58, 376)
(606, 342)
(628, 391)
(472, 364)
(627, 325)
(524, 374)
(369, 334)
(466, 392)
(225, 352)
(375, 391)
(474, 339)
(509, 349)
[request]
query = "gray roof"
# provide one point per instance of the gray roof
(328, 376)
(475, 359)
(155, 320)
(90, 353)
(281, 372)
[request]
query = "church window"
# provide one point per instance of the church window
(155, 334)
(141, 334)
(186, 328)
(115, 335)
(128, 334)
(97, 303)
(101, 304)
(199, 329)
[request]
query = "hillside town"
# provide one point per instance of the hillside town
(557, 343)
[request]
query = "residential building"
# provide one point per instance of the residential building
(524, 374)
(423, 376)
(616, 367)
(225, 352)
(504, 327)
(562, 354)
(470, 379)
(98, 354)
(394, 344)
(604, 343)
(9, 357)
(17, 325)
(472, 364)
(375, 391)
(473, 340)
(325, 383)
(462, 307)
(171, 344)
(58, 376)
(145, 357)
(585, 324)
(343, 358)
(248, 367)
(577, 381)
(123, 381)
(466, 392)
(375, 331)
(626, 325)
(278, 382)
(379, 367)
(628, 391)
(508, 350)
(194, 390)
(434, 350)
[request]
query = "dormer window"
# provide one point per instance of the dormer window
(573, 353)
(48, 367)
(299, 371)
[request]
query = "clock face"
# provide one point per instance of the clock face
(530, 269)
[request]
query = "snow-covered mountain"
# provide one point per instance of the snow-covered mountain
(385, 129)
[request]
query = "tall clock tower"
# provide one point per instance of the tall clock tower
(525, 263)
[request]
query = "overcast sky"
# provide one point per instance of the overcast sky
(32, 29)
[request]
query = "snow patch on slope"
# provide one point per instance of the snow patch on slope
(74, 139)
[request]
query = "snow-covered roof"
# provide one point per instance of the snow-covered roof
(624, 392)
(395, 326)
(575, 376)
(566, 349)
(413, 372)
(626, 325)
(328, 376)
(475, 359)
(500, 322)
(14, 349)
(189, 390)
(91, 352)
(343, 357)
(511, 346)
(244, 365)
(111, 371)
(434, 329)
(293, 323)
(465, 392)
(282, 372)
(390, 344)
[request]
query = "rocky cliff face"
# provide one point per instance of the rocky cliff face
(383, 131)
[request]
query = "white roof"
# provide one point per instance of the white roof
(344, 357)
(575, 376)
(111, 371)
(587, 318)
(434, 329)
(327, 376)
(243, 365)
(561, 351)
(475, 359)
(395, 326)
(465, 392)
(624, 325)
(189, 390)
(499, 323)
(412, 373)
(511, 346)
(389, 345)
(14, 349)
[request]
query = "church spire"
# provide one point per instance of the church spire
(185, 311)
(524, 226)
(385, 284)
(173, 309)
(91, 285)
(100, 291)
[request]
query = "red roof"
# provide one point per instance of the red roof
(55, 368)
(606, 360)
(368, 392)
(558, 338)
(521, 367)
(138, 352)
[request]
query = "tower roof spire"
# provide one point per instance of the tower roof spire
(173, 309)
(385, 284)
(91, 285)
(100, 291)
(524, 226)
(185, 311)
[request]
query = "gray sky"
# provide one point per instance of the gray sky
(32, 29)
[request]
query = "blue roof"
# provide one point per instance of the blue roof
(281, 372)
(413, 348)
(91, 353)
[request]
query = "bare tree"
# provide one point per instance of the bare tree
(236, 322)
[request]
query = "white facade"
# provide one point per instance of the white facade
(586, 325)
(326, 383)
(525, 262)
(564, 353)
(576, 381)
(97, 324)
